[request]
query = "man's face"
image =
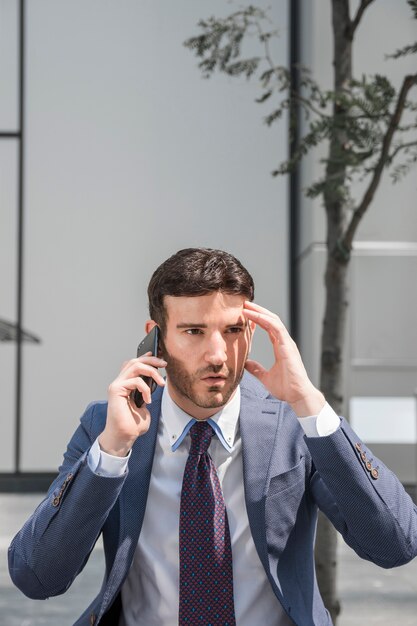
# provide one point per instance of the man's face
(206, 344)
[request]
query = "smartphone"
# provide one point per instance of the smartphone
(148, 344)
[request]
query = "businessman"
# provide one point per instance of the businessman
(207, 495)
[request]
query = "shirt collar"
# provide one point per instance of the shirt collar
(178, 422)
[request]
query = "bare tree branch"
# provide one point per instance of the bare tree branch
(308, 105)
(303, 101)
(265, 41)
(408, 82)
(361, 10)
(402, 146)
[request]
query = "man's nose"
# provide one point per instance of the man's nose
(216, 350)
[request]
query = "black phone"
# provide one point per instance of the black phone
(148, 344)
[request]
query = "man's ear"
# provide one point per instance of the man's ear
(149, 325)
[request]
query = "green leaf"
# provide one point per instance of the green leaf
(272, 117)
(247, 67)
(264, 96)
(413, 6)
(402, 52)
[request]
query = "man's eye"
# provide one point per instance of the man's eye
(235, 329)
(194, 331)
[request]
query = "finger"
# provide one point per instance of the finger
(256, 307)
(256, 369)
(267, 326)
(125, 366)
(280, 339)
(139, 384)
(151, 359)
(139, 412)
(138, 368)
(266, 322)
(126, 386)
(144, 358)
(144, 413)
(272, 324)
(265, 313)
(130, 362)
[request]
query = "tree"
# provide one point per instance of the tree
(369, 126)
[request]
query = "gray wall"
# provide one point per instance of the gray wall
(129, 156)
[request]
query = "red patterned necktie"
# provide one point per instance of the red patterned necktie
(206, 575)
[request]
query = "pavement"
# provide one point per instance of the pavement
(369, 595)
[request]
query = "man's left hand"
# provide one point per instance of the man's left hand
(287, 379)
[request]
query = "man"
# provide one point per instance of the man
(207, 496)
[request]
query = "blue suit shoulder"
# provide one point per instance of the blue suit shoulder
(93, 419)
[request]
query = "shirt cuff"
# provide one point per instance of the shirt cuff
(321, 425)
(105, 464)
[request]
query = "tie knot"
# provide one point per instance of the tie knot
(201, 434)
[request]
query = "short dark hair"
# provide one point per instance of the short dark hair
(196, 272)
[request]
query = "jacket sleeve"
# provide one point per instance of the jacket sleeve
(54, 544)
(363, 499)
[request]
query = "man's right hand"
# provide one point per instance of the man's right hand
(125, 422)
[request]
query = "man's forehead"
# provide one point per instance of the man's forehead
(217, 302)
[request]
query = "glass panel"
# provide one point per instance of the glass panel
(384, 305)
(384, 420)
(8, 229)
(9, 74)
(8, 257)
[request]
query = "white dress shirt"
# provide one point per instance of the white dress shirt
(150, 593)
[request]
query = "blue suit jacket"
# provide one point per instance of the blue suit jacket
(287, 477)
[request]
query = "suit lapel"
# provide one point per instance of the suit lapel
(133, 496)
(267, 433)
(258, 427)
(140, 467)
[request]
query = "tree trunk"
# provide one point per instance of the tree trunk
(334, 324)
(334, 321)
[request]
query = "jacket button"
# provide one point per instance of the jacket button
(92, 619)
(56, 501)
(374, 473)
(363, 457)
(358, 446)
(369, 466)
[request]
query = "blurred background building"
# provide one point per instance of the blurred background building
(115, 153)
(381, 342)
(128, 156)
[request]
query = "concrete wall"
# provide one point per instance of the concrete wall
(130, 155)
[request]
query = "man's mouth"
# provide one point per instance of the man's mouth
(214, 379)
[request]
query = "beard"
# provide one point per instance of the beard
(185, 383)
